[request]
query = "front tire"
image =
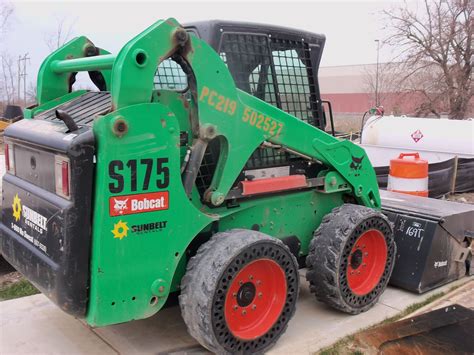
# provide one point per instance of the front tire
(351, 258)
(239, 292)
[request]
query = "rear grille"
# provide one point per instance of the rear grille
(82, 109)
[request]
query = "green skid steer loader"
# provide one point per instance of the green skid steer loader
(199, 168)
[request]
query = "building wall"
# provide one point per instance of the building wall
(393, 103)
(351, 90)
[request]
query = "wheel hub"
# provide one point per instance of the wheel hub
(367, 261)
(356, 259)
(246, 294)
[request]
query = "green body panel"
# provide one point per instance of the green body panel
(275, 215)
(133, 273)
(123, 270)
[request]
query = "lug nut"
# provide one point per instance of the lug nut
(260, 295)
(236, 307)
(234, 294)
(250, 277)
(254, 307)
(241, 283)
(244, 312)
(259, 282)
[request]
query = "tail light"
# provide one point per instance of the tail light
(9, 158)
(62, 173)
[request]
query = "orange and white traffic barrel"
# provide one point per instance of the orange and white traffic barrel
(408, 176)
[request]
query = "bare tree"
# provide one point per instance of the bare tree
(7, 80)
(383, 84)
(6, 11)
(31, 93)
(62, 34)
(437, 50)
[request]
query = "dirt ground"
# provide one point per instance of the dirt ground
(8, 275)
(9, 279)
(467, 197)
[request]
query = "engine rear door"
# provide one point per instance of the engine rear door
(45, 229)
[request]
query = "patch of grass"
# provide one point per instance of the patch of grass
(341, 347)
(416, 306)
(412, 308)
(18, 289)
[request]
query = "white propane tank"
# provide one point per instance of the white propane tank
(421, 134)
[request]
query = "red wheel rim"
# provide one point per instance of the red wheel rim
(255, 299)
(367, 262)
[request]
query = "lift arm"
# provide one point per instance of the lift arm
(241, 121)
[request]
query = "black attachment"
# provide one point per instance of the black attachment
(98, 79)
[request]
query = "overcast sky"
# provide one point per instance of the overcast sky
(351, 27)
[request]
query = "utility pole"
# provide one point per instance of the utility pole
(22, 74)
(377, 103)
(19, 79)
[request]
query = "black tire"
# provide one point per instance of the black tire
(214, 271)
(330, 258)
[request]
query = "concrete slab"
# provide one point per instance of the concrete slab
(163, 333)
(35, 325)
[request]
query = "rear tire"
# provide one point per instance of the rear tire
(351, 258)
(239, 292)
